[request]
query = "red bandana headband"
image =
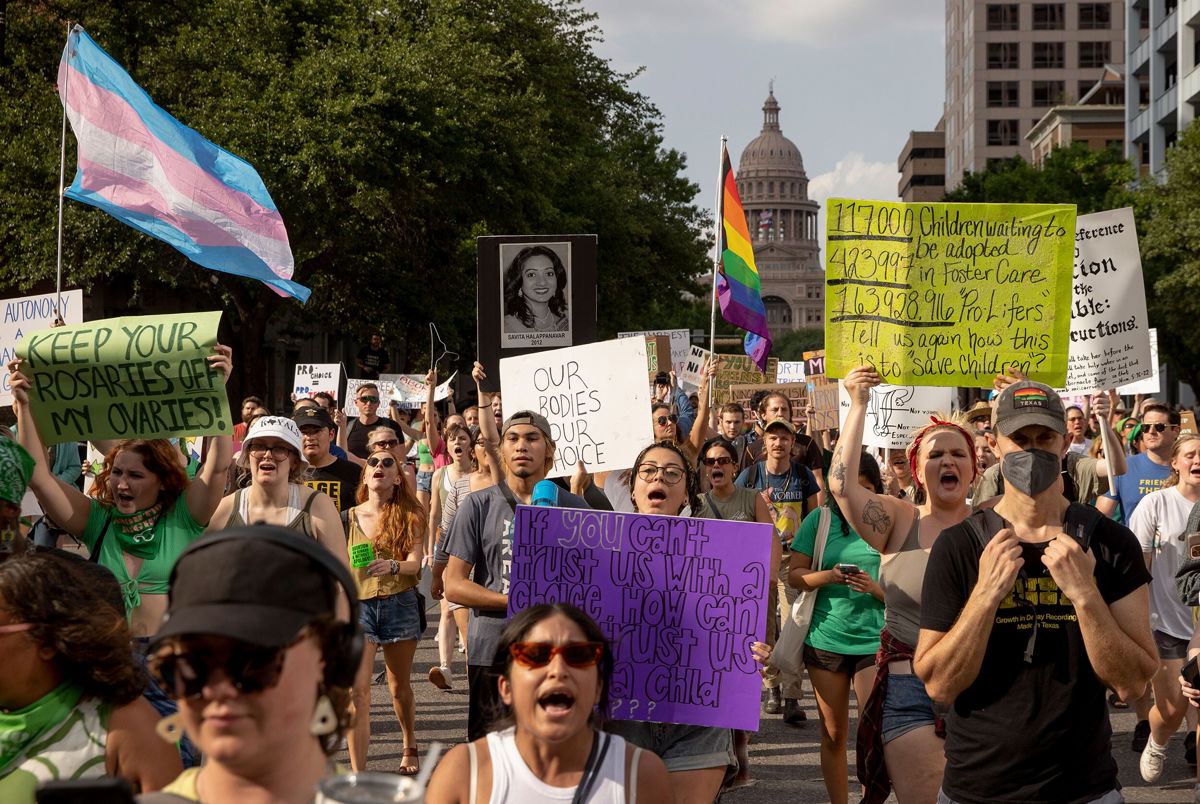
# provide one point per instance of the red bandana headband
(934, 424)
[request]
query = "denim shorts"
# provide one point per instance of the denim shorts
(682, 748)
(391, 619)
(424, 481)
(906, 706)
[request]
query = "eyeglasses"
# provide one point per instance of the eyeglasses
(1159, 427)
(13, 628)
(278, 453)
(384, 443)
(671, 475)
(722, 460)
(662, 420)
(249, 668)
(540, 654)
(388, 463)
(368, 400)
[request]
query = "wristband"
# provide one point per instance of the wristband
(395, 567)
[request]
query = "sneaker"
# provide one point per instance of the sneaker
(773, 704)
(1141, 733)
(793, 715)
(1151, 763)
(441, 677)
(1189, 748)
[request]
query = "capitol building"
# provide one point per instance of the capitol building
(782, 222)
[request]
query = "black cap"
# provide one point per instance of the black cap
(527, 417)
(243, 584)
(662, 378)
(310, 416)
(1027, 403)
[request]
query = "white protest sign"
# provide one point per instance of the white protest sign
(1150, 385)
(595, 397)
(29, 314)
(1110, 343)
(689, 378)
(310, 379)
(412, 393)
(790, 371)
(385, 391)
(896, 412)
(681, 342)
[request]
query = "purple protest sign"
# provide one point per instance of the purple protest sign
(680, 599)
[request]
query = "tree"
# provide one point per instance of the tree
(390, 134)
(792, 345)
(1073, 174)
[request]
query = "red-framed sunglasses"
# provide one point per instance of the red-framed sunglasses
(540, 654)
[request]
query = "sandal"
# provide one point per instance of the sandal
(406, 769)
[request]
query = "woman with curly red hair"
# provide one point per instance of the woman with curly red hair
(385, 537)
(899, 733)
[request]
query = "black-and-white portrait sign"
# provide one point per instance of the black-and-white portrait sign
(535, 282)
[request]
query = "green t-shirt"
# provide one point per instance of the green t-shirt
(844, 621)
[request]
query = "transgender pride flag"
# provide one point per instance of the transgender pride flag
(145, 168)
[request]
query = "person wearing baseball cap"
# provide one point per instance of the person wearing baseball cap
(327, 473)
(273, 456)
(259, 646)
(479, 549)
(1031, 609)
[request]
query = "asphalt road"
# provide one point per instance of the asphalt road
(785, 765)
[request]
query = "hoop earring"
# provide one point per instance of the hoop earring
(170, 728)
(324, 719)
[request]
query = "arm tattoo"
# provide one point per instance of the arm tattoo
(838, 472)
(876, 517)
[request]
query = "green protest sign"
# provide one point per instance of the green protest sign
(361, 554)
(135, 377)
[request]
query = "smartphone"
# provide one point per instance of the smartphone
(1191, 671)
(103, 790)
(848, 569)
(1193, 544)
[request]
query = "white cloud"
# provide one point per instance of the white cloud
(854, 177)
(815, 23)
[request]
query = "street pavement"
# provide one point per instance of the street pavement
(785, 765)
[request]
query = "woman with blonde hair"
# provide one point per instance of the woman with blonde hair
(385, 537)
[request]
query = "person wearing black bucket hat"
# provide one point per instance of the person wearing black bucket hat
(254, 650)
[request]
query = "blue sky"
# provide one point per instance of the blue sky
(852, 77)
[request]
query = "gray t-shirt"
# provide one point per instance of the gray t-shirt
(481, 535)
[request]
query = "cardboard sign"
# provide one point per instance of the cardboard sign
(823, 399)
(796, 393)
(948, 294)
(896, 412)
(136, 377)
(1187, 422)
(310, 379)
(27, 314)
(1110, 339)
(689, 378)
(595, 398)
(385, 392)
(658, 354)
(681, 601)
(790, 371)
(1152, 384)
(681, 344)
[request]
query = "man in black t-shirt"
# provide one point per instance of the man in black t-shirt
(336, 477)
(373, 360)
(1029, 611)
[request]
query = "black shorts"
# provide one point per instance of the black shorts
(846, 664)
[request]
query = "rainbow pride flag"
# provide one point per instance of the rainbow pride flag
(738, 288)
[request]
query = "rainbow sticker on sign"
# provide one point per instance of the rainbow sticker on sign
(1030, 396)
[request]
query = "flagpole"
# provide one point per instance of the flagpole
(720, 213)
(62, 170)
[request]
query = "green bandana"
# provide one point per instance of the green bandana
(136, 533)
(21, 729)
(16, 467)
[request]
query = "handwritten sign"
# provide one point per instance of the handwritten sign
(681, 601)
(136, 377)
(411, 391)
(27, 314)
(658, 355)
(385, 391)
(948, 294)
(681, 343)
(1110, 340)
(310, 379)
(595, 397)
(790, 371)
(1152, 384)
(896, 412)
(814, 362)
(689, 378)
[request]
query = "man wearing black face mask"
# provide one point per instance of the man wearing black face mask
(1029, 611)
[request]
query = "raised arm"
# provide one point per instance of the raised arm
(1113, 464)
(63, 503)
(207, 488)
(873, 516)
(487, 422)
(700, 425)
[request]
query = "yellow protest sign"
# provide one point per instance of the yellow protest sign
(948, 294)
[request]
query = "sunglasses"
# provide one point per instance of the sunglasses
(662, 420)
(369, 400)
(384, 444)
(671, 475)
(1159, 427)
(387, 462)
(249, 668)
(278, 453)
(722, 460)
(540, 654)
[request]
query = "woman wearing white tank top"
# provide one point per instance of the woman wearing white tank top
(546, 749)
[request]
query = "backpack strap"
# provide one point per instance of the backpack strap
(1083, 520)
